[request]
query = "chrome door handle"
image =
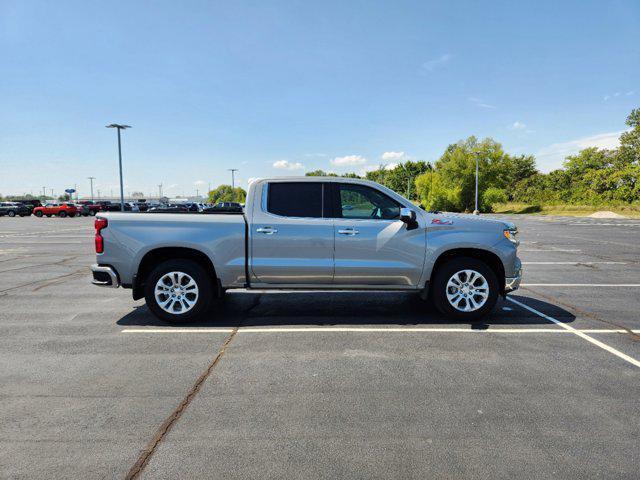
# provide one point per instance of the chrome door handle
(348, 231)
(267, 230)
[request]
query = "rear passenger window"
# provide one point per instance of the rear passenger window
(295, 199)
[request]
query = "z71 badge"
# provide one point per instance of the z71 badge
(438, 221)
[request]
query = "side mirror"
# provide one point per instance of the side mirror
(408, 216)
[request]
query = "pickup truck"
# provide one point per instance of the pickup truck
(311, 233)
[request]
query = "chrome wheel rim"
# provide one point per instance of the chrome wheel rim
(467, 290)
(176, 293)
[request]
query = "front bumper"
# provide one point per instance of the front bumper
(104, 276)
(512, 283)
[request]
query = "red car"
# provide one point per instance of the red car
(59, 209)
(88, 207)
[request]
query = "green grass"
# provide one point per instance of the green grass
(567, 210)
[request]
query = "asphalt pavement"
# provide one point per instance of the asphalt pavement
(323, 384)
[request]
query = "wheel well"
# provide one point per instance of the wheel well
(154, 257)
(490, 258)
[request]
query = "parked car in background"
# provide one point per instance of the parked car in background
(224, 207)
(59, 209)
(227, 205)
(169, 208)
(13, 209)
(142, 206)
(107, 206)
(89, 207)
(30, 203)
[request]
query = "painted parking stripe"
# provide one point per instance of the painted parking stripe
(579, 333)
(574, 263)
(580, 284)
(367, 330)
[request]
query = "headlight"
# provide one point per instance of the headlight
(511, 234)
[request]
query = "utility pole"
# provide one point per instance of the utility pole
(91, 179)
(160, 191)
(476, 211)
(44, 191)
(233, 180)
(98, 194)
(120, 127)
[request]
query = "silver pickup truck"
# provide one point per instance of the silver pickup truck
(308, 233)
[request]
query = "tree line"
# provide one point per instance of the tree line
(593, 176)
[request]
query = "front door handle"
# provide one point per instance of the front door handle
(267, 230)
(348, 231)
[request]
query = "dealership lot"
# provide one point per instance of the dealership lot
(322, 384)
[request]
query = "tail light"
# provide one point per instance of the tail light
(100, 223)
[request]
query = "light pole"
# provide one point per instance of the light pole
(476, 211)
(233, 179)
(120, 127)
(91, 179)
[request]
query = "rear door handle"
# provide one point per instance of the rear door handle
(348, 231)
(267, 230)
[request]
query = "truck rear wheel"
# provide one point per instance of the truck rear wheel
(178, 291)
(464, 289)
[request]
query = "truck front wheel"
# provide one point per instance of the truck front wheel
(178, 291)
(464, 289)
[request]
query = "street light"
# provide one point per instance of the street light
(233, 181)
(476, 211)
(91, 179)
(120, 127)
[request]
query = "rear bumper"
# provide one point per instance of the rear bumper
(104, 276)
(513, 283)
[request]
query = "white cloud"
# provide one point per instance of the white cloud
(349, 161)
(478, 102)
(393, 156)
(286, 165)
(198, 183)
(552, 157)
(431, 65)
(517, 126)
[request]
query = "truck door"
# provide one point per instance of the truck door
(373, 246)
(291, 240)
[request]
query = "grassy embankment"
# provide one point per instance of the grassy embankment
(567, 210)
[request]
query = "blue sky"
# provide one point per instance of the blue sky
(275, 88)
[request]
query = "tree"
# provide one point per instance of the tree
(225, 193)
(400, 178)
(320, 173)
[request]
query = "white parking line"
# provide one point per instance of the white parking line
(366, 330)
(580, 285)
(550, 250)
(574, 263)
(579, 333)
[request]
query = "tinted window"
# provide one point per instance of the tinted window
(358, 201)
(295, 199)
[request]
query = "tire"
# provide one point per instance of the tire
(466, 302)
(39, 214)
(174, 312)
(62, 214)
(12, 213)
(92, 213)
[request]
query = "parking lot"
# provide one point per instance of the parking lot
(323, 384)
